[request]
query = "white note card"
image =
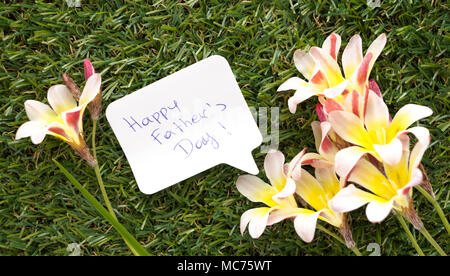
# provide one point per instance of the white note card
(184, 124)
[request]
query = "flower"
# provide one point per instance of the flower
(278, 195)
(320, 67)
(376, 134)
(390, 189)
(64, 119)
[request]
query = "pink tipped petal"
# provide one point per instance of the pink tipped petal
(294, 168)
(60, 98)
(377, 211)
(34, 129)
(320, 114)
(91, 89)
(361, 75)
(375, 49)
(37, 111)
(350, 128)
(377, 113)
(332, 44)
(328, 65)
(415, 179)
(331, 105)
(293, 83)
(390, 153)
(335, 91)
(305, 225)
(352, 56)
(352, 102)
(273, 165)
(256, 190)
(304, 63)
(406, 116)
(346, 159)
(74, 119)
(319, 81)
(351, 198)
(88, 69)
(375, 88)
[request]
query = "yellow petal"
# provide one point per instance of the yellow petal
(350, 128)
(406, 116)
(311, 191)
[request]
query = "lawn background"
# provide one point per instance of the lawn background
(134, 43)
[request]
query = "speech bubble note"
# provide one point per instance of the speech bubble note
(184, 124)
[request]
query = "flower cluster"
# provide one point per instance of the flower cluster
(363, 154)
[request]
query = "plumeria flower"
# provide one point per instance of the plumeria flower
(376, 134)
(319, 66)
(276, 195)
(63, 118)
(389, 190)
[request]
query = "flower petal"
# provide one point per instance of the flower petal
(346, 159)
(74, 119)
(361, 74)
(332, 44)
(34, 129)
(368, 176)
(88, 69)
(256, 219)
(352, 56)
(302, 94)
(377, 211)
(304, 63)
(406, 116)
(327, 178)
(60, 98)
(293, 83)
(311, 191)
(305, 225)
(91, 89)
(273, 165)
(37, 111)
(256, 190)
(284, 213)
(351, 198)
(336, 90)
(328, 65)
(423, 137)
(375, 48)
(390, 153)
(350, 128)
(377, 113)
(289, 189)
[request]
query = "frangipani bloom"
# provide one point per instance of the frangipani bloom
(322, 71)
(391, 190)
(376, 134)
(64, 119)
(278, 195)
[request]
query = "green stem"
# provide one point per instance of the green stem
(100, 182)
(432, 241)
(410, 235)
(354, 248)
(436, 206)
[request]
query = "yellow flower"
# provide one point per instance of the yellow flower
(376, 134)
(391, 190)
(64, 119)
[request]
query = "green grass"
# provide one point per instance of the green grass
(134, 43)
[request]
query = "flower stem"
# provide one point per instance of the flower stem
(102, 186)
(432, 241)
(410, 235)
(354, 248)
(436, 206)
